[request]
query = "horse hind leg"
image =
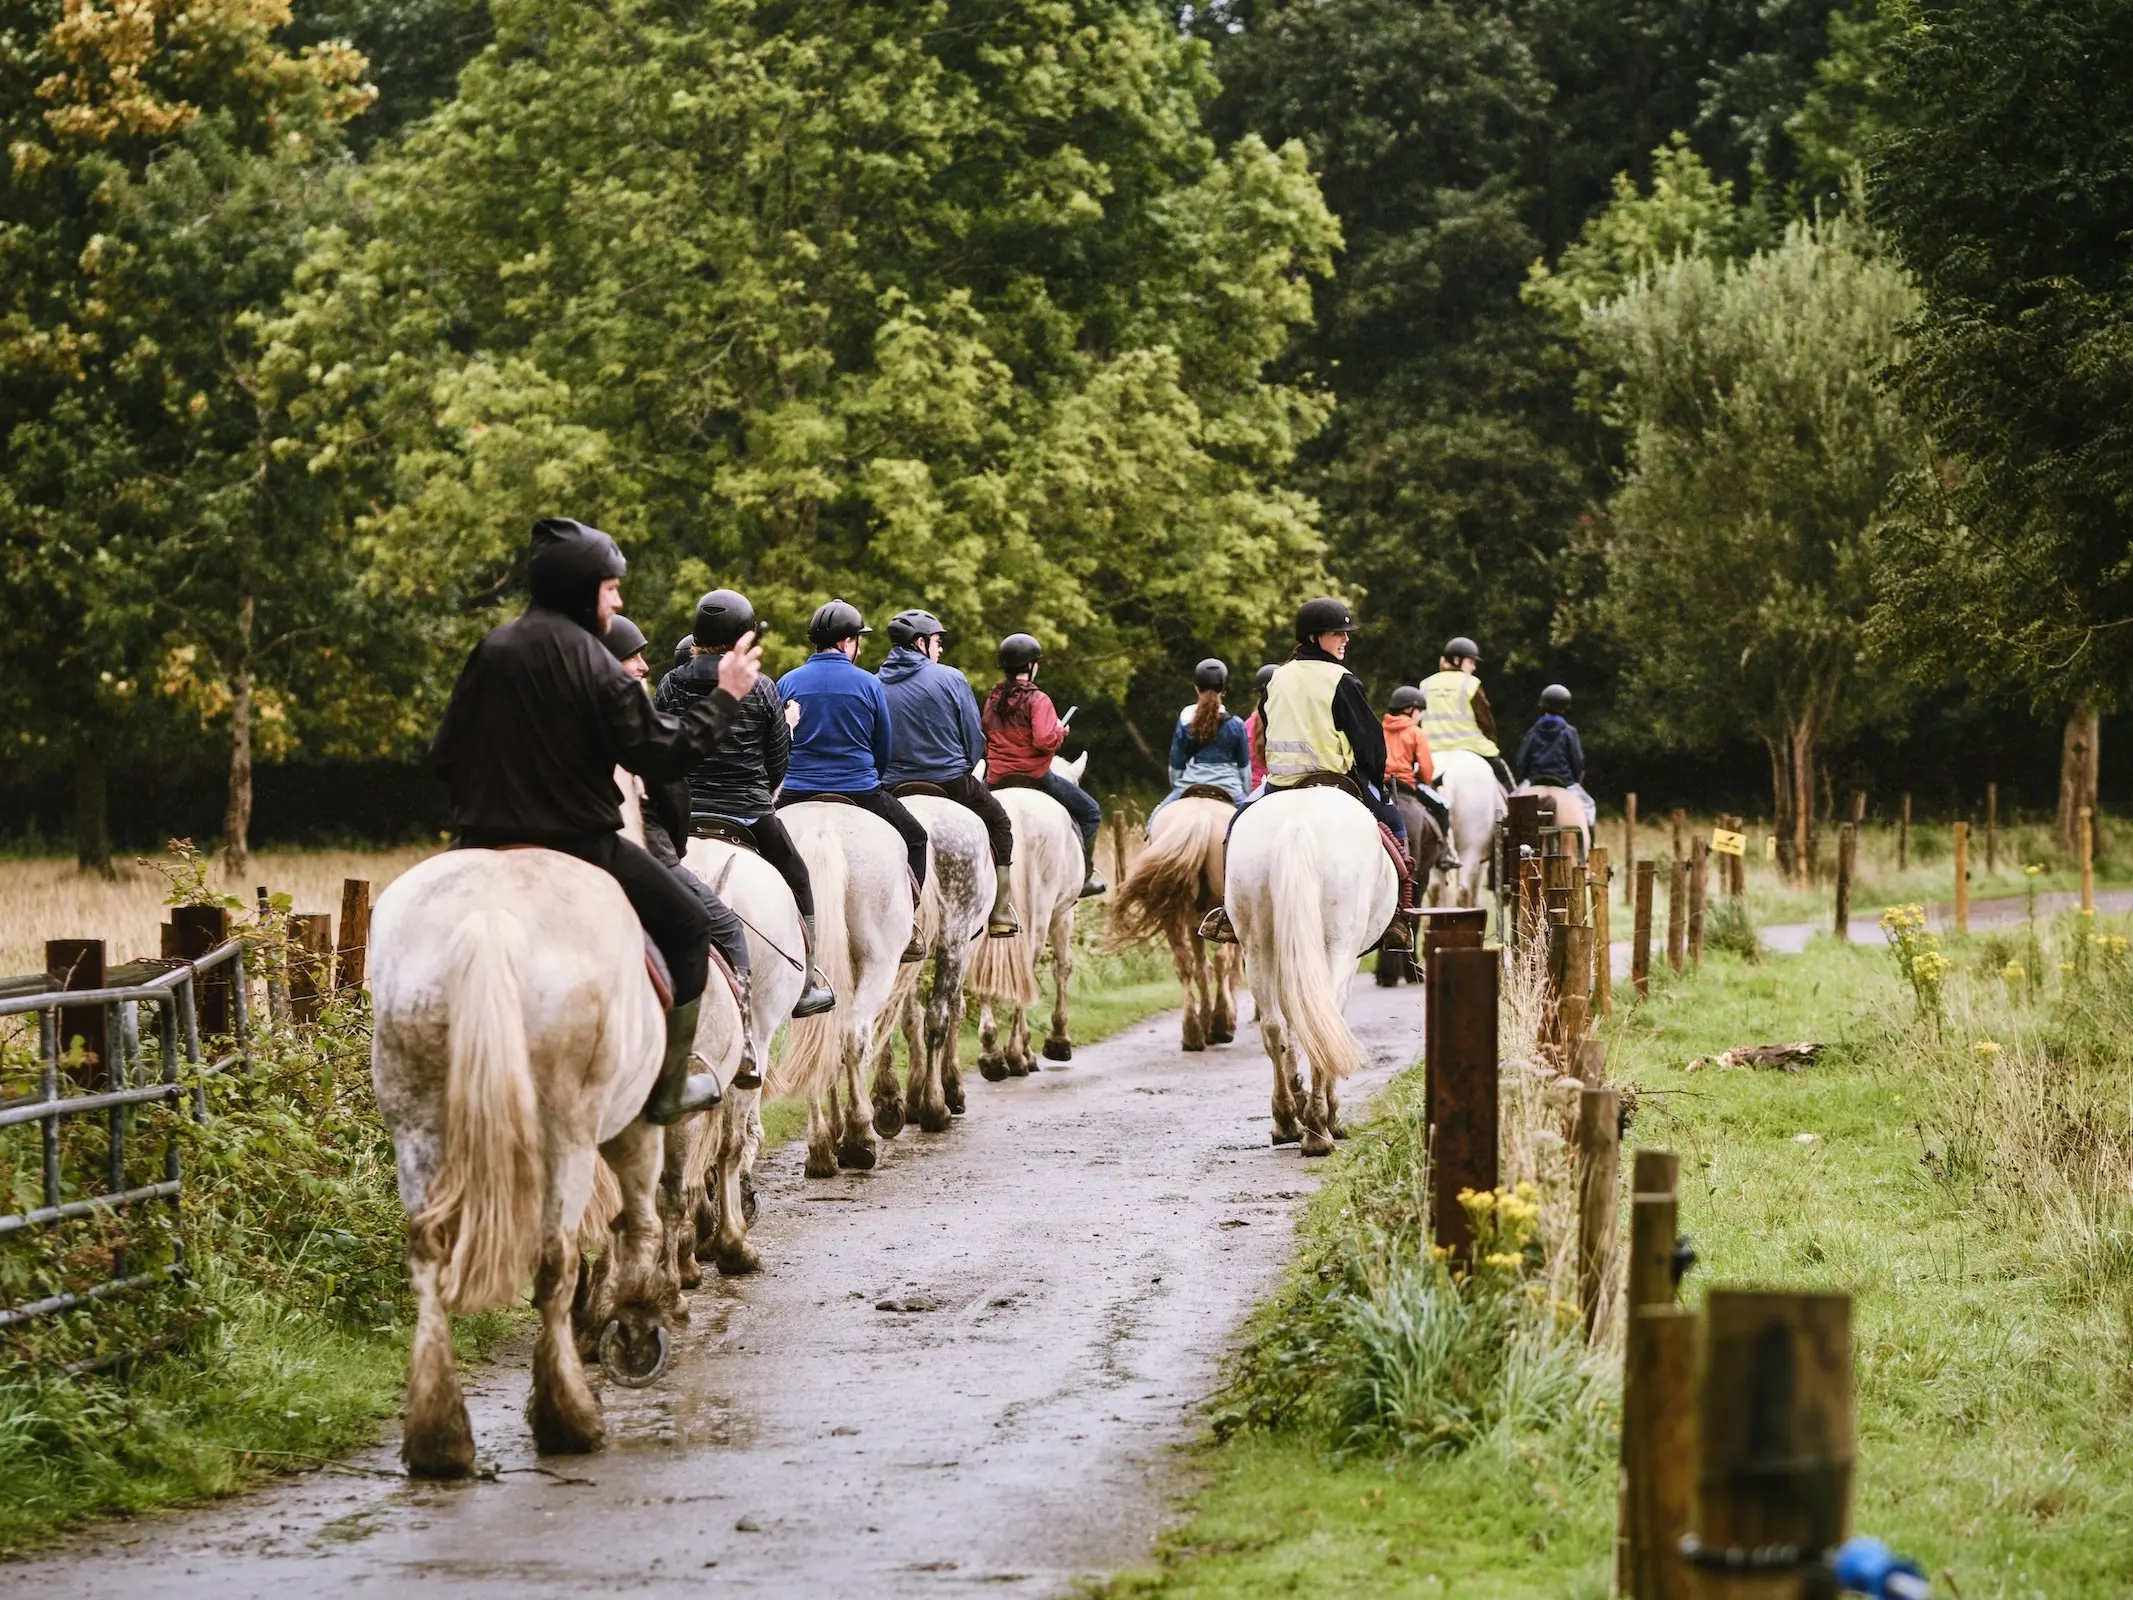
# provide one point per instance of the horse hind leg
(1318, 1116)
(887, 1095)
(728, 1244)
(1058, 1046)
(1222, 1025)
(858, 1147)
(927, 1039)
(1020, 1063)
(992, 1060)
(562, 1409)
(438, 1441)
(1287, 1090)
(677, 1229)
(1193, 1027)
(822, 1132)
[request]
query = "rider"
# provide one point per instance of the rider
(1255, 725)
(663, 812)
(1456, 714)
(1023, 731)
(739, 778)
(1318, 721)
(934, 738)
(540, 718)
(1551, 752)
(1209, 746)
(840, 742)
(1410, 766)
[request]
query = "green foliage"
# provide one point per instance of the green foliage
(2003, 184)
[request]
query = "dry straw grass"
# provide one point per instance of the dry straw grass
(48, 899)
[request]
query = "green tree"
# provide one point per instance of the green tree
(162, 165)
(952, 304)
(1737, 557)
(2005, 182)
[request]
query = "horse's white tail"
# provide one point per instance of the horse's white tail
(1006, 969)
(1175, 880)
(814, 1046)
(1303, 980)
(484, 1201)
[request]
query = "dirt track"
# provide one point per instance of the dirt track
(962, 1369)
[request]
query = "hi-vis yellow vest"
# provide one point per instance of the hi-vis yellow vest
(1300, 736)
(1448, 714)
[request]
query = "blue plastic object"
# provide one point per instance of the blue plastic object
(1867, 1566)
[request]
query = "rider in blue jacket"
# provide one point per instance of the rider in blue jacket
(841, 743)
(935, 739)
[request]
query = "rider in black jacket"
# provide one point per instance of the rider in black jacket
(739, 779)
(540, 718)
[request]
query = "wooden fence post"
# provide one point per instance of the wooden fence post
(1773, 1436)
(355, 934)
(1962, 877)
(1847, 853)
(1699, 895)
(1677, 915)
(1681, 834)
(1118, 847)
(310, 963)
(1461, 1088)
(1629, 851)
(1660, 1381)
(1599, 1163)
(1992, 827)
(79, 964)
(1903, 838)
(272, 960)
(1443, 928)
(1640, 949)
(1647, 1282)
(1598, 873)
(2088, 862)
(192, 932)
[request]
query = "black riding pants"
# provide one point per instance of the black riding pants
(672, 913)
(891, 810)
(775, 846)
(1081, 806)
(968, 791)
(728, 937)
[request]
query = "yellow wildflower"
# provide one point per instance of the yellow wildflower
(2014, 972)
(1984, 1047)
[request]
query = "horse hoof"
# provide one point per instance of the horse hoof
(821, 1164)
(1222, 1036)
(635, 1357)
(992, 1070)
(748, 1198)
(738, 1262)
(1316, 1143)
(691, 1277)
(1059, 1049)
(933, 1119)
(1340, 1130)
(858, 1157)
(1193, 1045)
(889, 1118)
(446, 1451)
(1019, 1068)
(1285, 1135)
(952, 1093)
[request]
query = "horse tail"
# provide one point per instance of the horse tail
(1303, 978)
(1177, 879)
(1006, 969)
(484, 1201)
(814, 1046)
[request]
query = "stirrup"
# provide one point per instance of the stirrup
(1399, 934)
(914, 952)
(1217, 926)
(1092, 886)
(816, 997)
(1003, 924)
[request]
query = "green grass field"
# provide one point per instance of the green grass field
(1973, 1201)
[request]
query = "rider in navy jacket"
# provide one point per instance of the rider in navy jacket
(935, 718)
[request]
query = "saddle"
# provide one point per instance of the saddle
(726, 830)
(1402, 864)
(1016, 780)
(919, 788)
(1207, 791)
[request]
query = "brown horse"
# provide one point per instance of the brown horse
(1177, 881)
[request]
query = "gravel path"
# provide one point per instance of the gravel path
(962, 1370)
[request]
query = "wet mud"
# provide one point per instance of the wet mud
(964, 1370)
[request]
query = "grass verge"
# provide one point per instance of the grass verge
(1959, 1161)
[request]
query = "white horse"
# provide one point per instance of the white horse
(1310, 889)
(1475, 800)
(1046, 880)
(1569, 811)
(958, 899)
(1178, 879)
(515, 1038)
(864, 917)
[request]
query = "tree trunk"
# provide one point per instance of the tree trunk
(1781, 805)
(2078, 759)
(92, 821)
(1801, 739)
(237, 815)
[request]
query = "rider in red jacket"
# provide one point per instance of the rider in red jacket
(1023, 731)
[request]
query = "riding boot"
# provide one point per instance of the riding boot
(680, 1091)
(749, 1073)
(1091, 884)
(915, 951)
(1002, 922)
(1216, 926)
(818, 996)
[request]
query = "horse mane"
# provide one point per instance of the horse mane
(1207, 715)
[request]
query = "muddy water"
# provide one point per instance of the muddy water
(963, 1369)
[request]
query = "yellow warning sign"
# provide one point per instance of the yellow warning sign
(1728, 843)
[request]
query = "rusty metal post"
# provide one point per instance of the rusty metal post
(1773, 1437)
(1640, 950)
(1599, 1157)
(1461, 1089)
(354, 953)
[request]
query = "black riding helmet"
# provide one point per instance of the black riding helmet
(835, 622)
(722, 616)
(1211, 674)
(566, 562)
(1555, 698)
(1460, 645)
(685, 650)
(623, 638)
(1323, 615)
(1017, 651)
(908, 627)
(1407, 698)
(1265, 676)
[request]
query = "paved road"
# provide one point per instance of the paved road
(1070, 1260)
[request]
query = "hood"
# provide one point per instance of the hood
(903, 662)
(1396, 724)
(566, 562)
